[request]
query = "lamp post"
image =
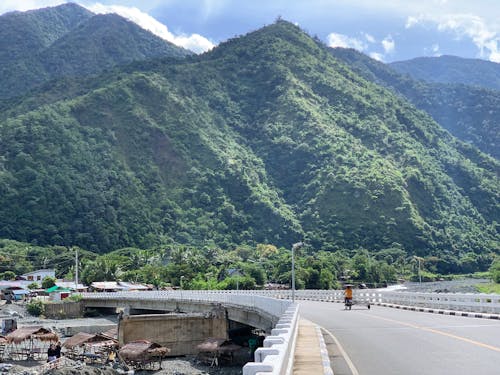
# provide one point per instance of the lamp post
(419, 259)
(295, 246)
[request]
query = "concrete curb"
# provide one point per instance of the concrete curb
(325, 357)
(442, 312)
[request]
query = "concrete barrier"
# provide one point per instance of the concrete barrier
(276, 357)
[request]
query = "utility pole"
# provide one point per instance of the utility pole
(76, 269)
(295, 246)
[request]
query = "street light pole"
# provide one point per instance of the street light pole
(419, 259)
(295, 246)
(419, 273)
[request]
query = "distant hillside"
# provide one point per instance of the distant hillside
(266, 139)
(67, 40)
(452, 69)
(23, 34)
(470, 113)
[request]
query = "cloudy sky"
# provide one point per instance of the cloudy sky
(388, 30)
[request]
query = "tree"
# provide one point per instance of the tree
(48, 282)
(9, 275)
(495, 270)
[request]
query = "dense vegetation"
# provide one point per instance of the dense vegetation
(68, 40)
(470, 113)
(243, 267)
(452, 69)
(267, 139)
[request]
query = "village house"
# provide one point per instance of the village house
(39, 275)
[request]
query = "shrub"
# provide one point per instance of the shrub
(48, 282)
(74, 298)
(36, 307)
(495, 270)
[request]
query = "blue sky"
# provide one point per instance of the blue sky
(388, 30)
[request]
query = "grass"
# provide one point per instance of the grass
(489, 288)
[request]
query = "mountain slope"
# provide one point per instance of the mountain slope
(267, 138)
(81, 44)
(470, 113)
(452, 69)
(25, 33)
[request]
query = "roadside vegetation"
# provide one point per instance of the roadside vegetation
(242, 267)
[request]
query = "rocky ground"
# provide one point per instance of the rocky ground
(174, 366)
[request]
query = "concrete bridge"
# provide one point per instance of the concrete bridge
(274, 312)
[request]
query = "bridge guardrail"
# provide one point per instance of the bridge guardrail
(467, 302)
(276, 357)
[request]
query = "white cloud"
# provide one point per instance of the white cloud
(341, 40)
(485, 36)
(388, 44)
(369, 38)
(377, 56)
(193, 42)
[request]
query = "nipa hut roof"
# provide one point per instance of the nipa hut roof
(112, 333)
(142, 350)
(82, 338)
(28, 333)
(217, 345)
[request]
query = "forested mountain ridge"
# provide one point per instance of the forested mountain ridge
(452, 69)
(68, 40)
(266, 139)
(470, 113)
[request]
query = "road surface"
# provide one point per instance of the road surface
(391, 341)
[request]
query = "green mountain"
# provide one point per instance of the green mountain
(470, 113)
(68, 40)
(266, 139)
(452, 69)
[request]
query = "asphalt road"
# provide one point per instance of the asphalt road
(390, 341)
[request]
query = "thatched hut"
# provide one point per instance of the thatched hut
(142, 353)
(30, 342)
(214, 349)
(98, 345)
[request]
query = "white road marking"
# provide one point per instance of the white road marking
(354, 370)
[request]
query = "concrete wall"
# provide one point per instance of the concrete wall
(64, 310)
(179, 332)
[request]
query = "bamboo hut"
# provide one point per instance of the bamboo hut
(30, 342)
(85, 345)
(214, 349)
(142, 354)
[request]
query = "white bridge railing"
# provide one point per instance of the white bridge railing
(467, 302)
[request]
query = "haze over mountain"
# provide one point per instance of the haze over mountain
(268, 138)
(68, 40)
(452, 69)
